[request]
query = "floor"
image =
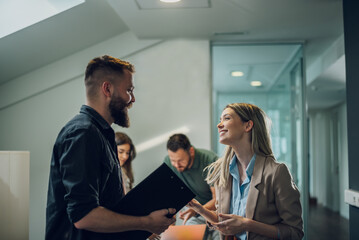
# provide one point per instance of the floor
(326, 224)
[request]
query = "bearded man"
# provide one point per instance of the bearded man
(85, 183)
(190, 164)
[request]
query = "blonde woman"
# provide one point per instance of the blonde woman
(256, 197)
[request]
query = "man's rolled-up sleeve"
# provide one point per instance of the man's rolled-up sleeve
(80, 168)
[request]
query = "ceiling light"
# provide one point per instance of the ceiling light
(256, 83)
(237, 74)
(170, 1)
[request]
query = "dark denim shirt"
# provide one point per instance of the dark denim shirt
(84, 174)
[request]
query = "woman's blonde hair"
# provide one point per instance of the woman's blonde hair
(218, 172)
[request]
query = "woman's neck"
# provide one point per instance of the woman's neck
(244, 154)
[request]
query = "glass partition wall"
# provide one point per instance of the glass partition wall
(271, 77)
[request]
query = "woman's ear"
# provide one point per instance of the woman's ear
(249, 125)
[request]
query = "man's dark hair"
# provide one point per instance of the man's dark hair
(107, 63)
(178, 141)
(103, 67)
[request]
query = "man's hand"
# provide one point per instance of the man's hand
(158, 222)
(187, 214)
(154, 237)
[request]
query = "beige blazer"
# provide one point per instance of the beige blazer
(273, 199)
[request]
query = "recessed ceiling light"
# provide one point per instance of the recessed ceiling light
(170, 1)
(256, 83)
(237, 74)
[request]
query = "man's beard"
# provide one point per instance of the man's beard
(118, 109)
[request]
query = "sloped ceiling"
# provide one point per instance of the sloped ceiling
(57, 37)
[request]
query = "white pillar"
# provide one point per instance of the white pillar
(14, 197)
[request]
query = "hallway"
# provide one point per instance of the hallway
(325, 224)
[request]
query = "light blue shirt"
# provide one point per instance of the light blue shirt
(240, 192)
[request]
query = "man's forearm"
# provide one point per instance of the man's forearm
(103, 220)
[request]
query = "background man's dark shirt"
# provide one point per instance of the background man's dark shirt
(84, 174)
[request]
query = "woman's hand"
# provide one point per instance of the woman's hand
(186, 215)
(195, 205)
(209, 215)
(231, 224)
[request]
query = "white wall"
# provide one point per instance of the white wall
(319, 155)
(172, 90)
(329, 179)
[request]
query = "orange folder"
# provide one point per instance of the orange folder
(184, 232)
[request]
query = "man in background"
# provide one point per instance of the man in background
(85, 185)
(189, 164)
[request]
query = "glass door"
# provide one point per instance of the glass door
(271, 77)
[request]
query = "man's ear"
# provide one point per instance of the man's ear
(106, 88)
(191, 151)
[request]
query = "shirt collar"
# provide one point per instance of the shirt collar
(95, 115)
(250, 167)
(233, 163)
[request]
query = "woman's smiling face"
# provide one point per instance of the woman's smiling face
(231, 128)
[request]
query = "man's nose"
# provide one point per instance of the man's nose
(133, 99)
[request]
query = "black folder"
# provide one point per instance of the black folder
(160, 190)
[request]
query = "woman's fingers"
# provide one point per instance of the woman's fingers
(221, 224)
(226, 216)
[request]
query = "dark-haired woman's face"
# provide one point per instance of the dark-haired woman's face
(123, 152)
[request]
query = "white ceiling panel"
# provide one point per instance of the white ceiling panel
(257, 62)
(156, 4)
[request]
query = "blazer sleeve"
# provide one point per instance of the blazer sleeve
(287, 200)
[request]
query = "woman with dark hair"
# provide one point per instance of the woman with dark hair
(126, 154)
(256, 197)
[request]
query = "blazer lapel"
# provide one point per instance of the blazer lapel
(225, 198)
(224, 202)
(253, 191)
